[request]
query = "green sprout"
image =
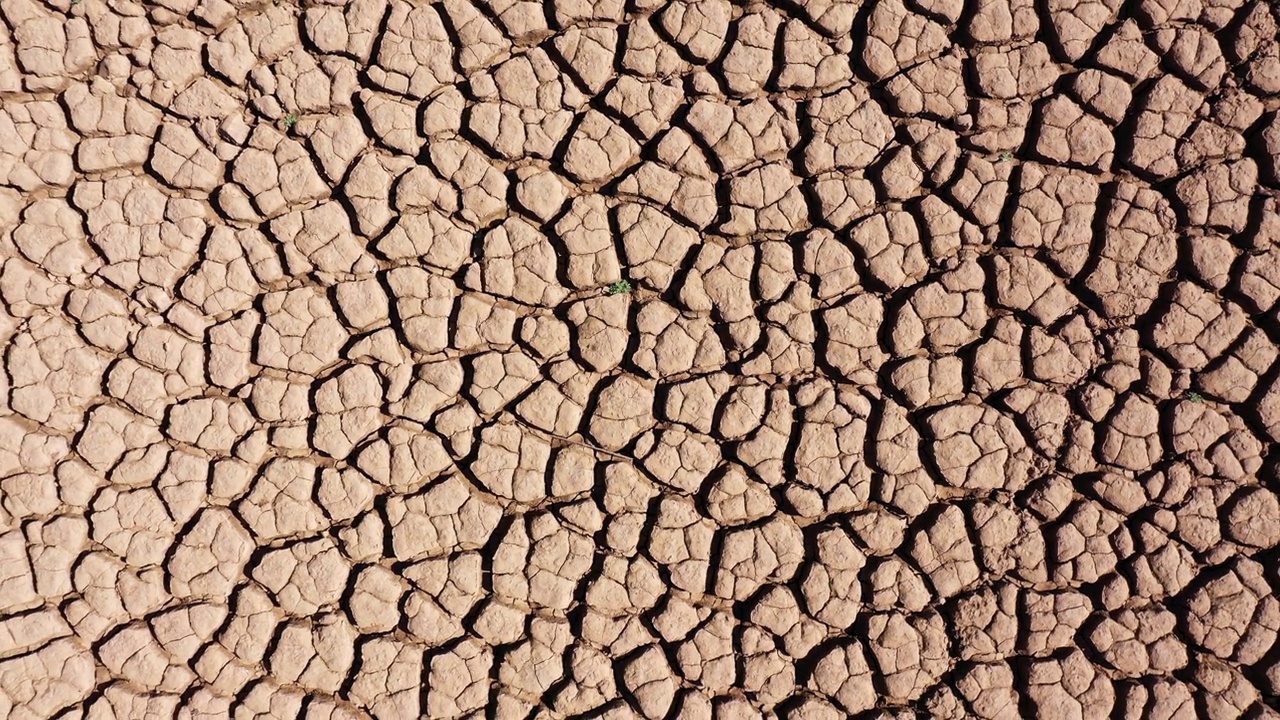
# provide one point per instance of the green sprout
(1005, 156)
(1195, 397)
(290, 120)
(621, 287)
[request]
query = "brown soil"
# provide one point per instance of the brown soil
(683, 359)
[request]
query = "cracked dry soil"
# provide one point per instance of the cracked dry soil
(943, 384)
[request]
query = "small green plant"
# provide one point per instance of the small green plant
(290, 120)
(1195, 397)
(1005, 156)
(76, 2)
(621, 287)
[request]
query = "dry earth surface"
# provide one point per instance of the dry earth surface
(944, 384)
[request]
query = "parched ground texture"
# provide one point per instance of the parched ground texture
(945, 384)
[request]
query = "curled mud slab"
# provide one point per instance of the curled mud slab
(697, 359)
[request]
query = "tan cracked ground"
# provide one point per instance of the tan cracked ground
(943, 382)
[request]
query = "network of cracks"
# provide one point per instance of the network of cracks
(647, 359)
